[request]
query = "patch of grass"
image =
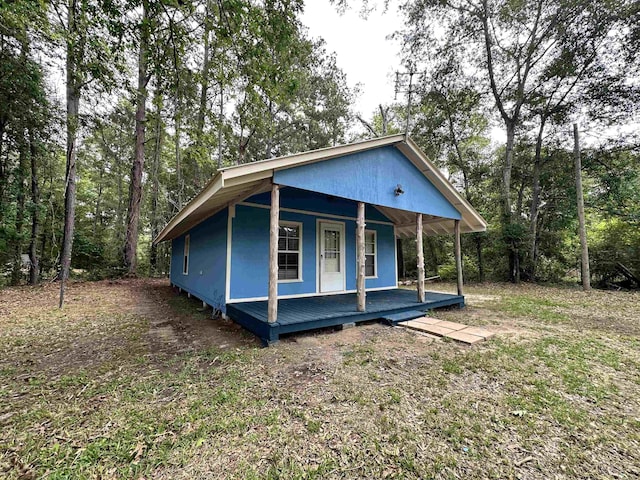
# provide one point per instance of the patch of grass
(394, 396)
(543, 309)
(183, 305)
(90, 392)
(451, 366)
(360, 355)
(313, 426)
(574, 363)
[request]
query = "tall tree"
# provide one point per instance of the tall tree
(155, 182)
(581, 74)
(135, 185)
(34, 266)
(87, 29)
(76, 40)
(582, 229)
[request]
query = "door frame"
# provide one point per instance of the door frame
(343, 251)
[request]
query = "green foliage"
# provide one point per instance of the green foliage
(614, 241)
(281, 93)
(236, 81)
(26, 128)
(87, 255)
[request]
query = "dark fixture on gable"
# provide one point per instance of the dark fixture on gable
(398, 191)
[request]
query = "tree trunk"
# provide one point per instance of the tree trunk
(177, 150)
(135, 187)
(120, 209)
(506, 200)
(34, 269)
(520, 198)
(2, 171)
(506, 172)
(155, 185)
(97, 215)
(478, 240)
(20, 176)
(586, 275)
(535, 202)
(220, 123)
(516, 245)
(73, 105)
(204, 83)
(420, 257)
(242, 150)
(267, 153)
(434, 256)
(361, 259)
(47, 260)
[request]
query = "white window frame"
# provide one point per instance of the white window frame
(185, 254)
(283, 223)
(375, 252)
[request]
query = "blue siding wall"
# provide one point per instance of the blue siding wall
(207, 260)
(371, 176)
(386, 256)
(250, 252)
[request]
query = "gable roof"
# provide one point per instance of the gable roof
(233, 184)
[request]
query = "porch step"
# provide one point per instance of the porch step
(393, 319)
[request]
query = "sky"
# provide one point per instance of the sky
(363, 51)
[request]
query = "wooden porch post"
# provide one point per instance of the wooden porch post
(274, 230)
(420, 252)
(458, 255)
(360, 255)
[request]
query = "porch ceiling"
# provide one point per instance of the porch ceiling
(234, 184)
(405, 223)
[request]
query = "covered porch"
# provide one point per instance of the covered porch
(308, 313)
(327, 310)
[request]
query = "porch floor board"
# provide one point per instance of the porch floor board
(300, 314)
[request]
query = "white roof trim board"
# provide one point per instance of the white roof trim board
(234, 184)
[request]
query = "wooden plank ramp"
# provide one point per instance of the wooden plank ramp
(396, 318)
(442, 328)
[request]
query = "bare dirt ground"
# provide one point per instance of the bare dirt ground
(131, 380)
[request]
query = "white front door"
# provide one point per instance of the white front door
(331, 261)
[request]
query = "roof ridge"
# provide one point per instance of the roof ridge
(398, 136)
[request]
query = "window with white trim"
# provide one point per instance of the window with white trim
(185, 257)
(290, 252)
(370, 254)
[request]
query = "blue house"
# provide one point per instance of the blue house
(309, 240)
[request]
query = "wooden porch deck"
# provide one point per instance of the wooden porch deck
(309, 313)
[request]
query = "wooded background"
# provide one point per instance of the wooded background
(160, 94)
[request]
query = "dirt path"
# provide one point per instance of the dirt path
(100, 319)
(156, 301)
